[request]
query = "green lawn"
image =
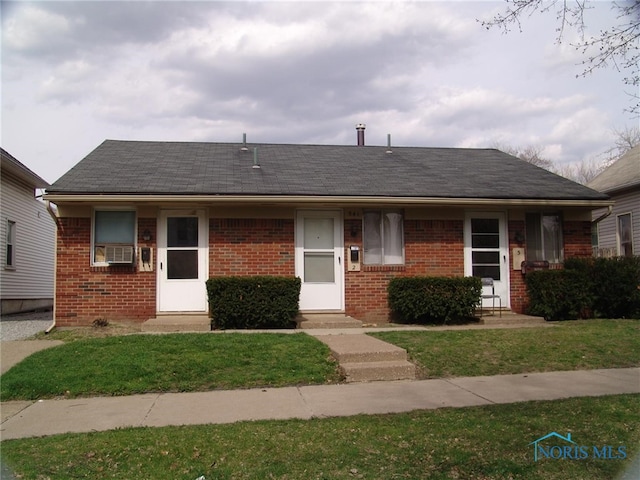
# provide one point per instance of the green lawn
(489, 442)
(585, 344)
(124, 365)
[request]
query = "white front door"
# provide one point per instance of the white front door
(486, 252)
(319, 262)
(182, 261)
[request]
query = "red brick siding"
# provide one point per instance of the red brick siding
(266, 247)
(518, 289)
(84, 293)
(251, 247)
(432, 247)
(577, 239)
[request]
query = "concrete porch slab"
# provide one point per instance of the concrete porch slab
(326, 320)
(177, 323)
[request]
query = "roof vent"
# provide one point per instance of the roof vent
(360, 129)
(389, 151)
(244, 143)
(255, 158)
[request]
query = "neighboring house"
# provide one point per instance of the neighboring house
(618, 234)
(28, 240)
(143, 225)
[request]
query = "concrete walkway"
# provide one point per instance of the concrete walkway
(49, 417)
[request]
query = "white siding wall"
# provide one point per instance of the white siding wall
(607, 228)
(32, 277)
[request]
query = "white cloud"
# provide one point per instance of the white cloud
(34, 29)
(426, 72)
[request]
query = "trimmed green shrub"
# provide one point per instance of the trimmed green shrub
(559, 294)
(253, 302)
(617, 287)
(433, 299)
(587, 287)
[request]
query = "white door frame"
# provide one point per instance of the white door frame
(502, 287)
(182, 295)
(321, 296)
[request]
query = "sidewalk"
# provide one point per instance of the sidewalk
(23, 419)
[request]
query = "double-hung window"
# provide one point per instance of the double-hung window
(114, 234)
(544, 237)
(625, 244)
(10, 251)
(383, 237)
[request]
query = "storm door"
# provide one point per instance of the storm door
(486, 251)
(182, 261)
(319, 262)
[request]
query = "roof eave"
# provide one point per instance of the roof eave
(315, 199)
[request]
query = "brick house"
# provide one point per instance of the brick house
(142, 225)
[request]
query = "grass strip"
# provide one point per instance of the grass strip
(489, 442)
(575, 345)
(169, 363)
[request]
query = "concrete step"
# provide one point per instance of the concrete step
(378, 371)
(178, 323)
(362, 348)
(326, 320)
(510, 318)
(366, 359)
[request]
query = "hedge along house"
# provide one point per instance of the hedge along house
(143, 225)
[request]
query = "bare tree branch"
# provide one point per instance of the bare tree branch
(617, 47)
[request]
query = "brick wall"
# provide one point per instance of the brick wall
(517, 286)
(251, 247)
(85, 293)
(266, 247)
(432, 247)
(577, 239)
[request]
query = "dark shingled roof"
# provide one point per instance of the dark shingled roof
(190, 168)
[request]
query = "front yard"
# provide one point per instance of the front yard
(489, 442)
(572, 345)
(123, 365)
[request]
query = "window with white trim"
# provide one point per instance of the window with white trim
(112, 229)
(10, 250)
(544, 237)
(383, 237)
(625, 243)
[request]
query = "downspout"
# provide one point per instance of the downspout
(603, 216)
(55, 218)
(594, 223)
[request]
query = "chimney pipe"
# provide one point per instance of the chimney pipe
(360, 129)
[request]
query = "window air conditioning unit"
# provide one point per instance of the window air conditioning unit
(119, 254)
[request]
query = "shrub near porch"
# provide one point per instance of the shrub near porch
(433, 299)
(253, 302)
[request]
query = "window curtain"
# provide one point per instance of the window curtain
(372, 238)
(392, 238)
(552, 230)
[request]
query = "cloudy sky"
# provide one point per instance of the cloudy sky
(77, 73)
